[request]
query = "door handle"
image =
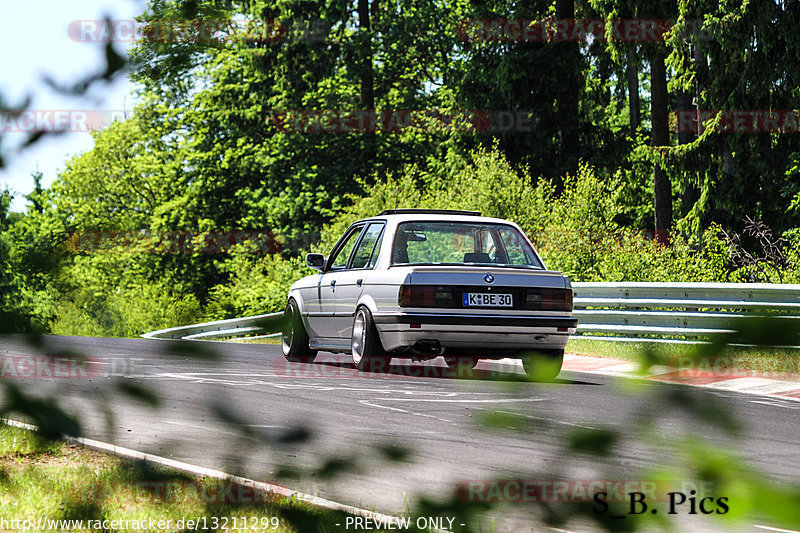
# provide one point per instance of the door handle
(359, 282)
(333, 282)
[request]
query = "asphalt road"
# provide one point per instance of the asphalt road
(239, 411)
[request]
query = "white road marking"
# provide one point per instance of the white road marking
(776, 403)
(204, 428)
(367, 402)
(779, 530)
(498, 400)
(428, 400)
(208, 375)
(615, 369)
(422, 396)
(750, 384)
(753, 385)
(386, 391)
(216, 377)
(543, 419)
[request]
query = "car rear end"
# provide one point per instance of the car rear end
(470, 286)
(456, 311)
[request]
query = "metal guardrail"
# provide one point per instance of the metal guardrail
(232, 327)
(676, 312)
(627, 311)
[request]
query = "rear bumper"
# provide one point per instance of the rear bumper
(430, 319)
(486, 334)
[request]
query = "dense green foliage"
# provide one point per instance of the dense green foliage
(233, 132)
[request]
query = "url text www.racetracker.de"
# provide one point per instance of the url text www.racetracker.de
(226, 523)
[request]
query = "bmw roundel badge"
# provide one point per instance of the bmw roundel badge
(488, 278)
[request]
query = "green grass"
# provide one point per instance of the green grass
(774, 361)
(63, 481)
(16, 442)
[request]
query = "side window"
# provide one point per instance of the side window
(376, 250)
(367, 251)
(340, 259)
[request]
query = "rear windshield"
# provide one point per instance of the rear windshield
(462, 243)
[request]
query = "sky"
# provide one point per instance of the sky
(43, 37)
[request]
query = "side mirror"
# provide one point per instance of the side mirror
(315, 261)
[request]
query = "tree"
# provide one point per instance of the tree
(738, 58)
(572, 66)
(259, 153)
(659, 104)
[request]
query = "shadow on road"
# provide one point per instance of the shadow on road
(420, 370)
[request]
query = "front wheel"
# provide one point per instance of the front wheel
(365, 345)
(294, 337)
(543, 365)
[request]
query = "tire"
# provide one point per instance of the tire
(544, 365)
(365, 345)
(294, 337)
(467, 363)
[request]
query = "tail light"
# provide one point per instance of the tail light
(548, 299)
(425, 296)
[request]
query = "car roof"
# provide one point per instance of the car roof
(434, 215)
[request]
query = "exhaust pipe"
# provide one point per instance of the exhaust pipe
(427, 347)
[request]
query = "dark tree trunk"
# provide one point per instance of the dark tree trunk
(367, 76)
(659, 105)
(570, 91)
(634, 106)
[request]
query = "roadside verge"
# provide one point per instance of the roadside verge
(386, 521)
(704, 374)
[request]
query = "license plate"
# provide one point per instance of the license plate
(483, 299)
